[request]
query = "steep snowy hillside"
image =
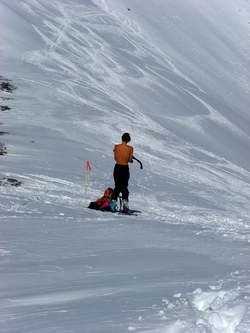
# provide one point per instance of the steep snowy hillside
(76, 75)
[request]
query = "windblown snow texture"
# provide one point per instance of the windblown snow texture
(75, 76)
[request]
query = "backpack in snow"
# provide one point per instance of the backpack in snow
(104, 202)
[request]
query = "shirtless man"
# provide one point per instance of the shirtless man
(123, 155)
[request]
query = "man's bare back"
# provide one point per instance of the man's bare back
(123, 153)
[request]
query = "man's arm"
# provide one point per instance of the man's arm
(114, 150)
(131, 155)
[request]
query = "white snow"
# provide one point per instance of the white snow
(174, 74)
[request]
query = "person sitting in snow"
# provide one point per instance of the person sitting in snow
(123, 154)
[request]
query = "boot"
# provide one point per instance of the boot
(113, 206)
(125, 206)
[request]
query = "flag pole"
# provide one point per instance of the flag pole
(86, 181)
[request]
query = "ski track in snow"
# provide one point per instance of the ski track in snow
(75, 36)
(92, 74)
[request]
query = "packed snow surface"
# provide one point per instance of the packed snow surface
(77, 74)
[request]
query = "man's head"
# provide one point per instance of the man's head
(126, 137)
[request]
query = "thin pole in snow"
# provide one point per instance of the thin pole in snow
(86, 181)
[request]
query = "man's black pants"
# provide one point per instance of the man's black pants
(121, 177)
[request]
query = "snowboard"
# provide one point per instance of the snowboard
(131, 212)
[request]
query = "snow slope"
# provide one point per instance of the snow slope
(175, 76)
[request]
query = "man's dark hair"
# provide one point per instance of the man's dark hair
(126, 137)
